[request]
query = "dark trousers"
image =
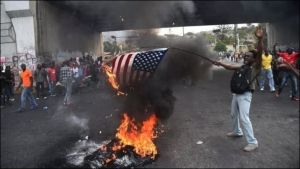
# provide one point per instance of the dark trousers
(2, 96)
(276, 76)
(40, 88)
(9, 91)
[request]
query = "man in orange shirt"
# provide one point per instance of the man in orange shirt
(27, 81)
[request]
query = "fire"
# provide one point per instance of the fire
(111, 76)
(138, 136)
(131, 133)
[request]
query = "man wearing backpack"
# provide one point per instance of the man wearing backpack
(243, 89)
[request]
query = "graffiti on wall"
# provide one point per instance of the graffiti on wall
(27, 57)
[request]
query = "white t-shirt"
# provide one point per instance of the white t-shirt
(75, 71)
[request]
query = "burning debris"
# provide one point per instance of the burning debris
(108, 157)
(132, 147)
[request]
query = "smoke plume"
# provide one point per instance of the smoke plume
(156, 94)
(81, 123)
(146, 13)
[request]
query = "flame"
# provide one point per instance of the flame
(138, 136)
(111, 76)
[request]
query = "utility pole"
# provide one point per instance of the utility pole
(235, 37)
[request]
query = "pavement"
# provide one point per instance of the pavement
(36, 138)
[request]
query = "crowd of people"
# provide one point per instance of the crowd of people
(277, 78)
(258, 62)
(69, 73)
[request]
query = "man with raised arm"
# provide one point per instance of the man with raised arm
(240, 105)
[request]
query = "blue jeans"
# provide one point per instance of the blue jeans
(52, 87)
(68, 85)
(27, 93)
(240, 107)
(269, 74)
(285, 76)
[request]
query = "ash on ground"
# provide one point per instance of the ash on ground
(87, 154)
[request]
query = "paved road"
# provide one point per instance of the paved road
(202, 113)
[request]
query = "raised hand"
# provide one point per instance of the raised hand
(259, 32)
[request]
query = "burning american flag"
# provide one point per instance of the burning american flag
(133, 67)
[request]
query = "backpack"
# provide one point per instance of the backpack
(241, 80)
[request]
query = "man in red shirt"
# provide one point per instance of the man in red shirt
(290, 57)
(52, 78)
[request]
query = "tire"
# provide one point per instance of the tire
(60, 90)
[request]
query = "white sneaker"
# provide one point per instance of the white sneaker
(261, 89)
(37, 98)
(45, 97)
(250, 147)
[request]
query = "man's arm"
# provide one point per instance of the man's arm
(31, 82)
(259, 34)
(228, 67)
(287, 66)
(274, 49)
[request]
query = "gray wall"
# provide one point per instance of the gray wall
(60, 30)
(285, 32)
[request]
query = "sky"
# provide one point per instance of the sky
(173, 30)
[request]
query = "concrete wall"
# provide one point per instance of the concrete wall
(58, 30)
(8, 46)
(285, 32)
(19, 15)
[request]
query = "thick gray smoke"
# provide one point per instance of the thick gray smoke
(145, 13)
(176, 65)
(155, 95)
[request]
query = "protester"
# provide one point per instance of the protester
(93, 70)
(241, 102)
(40, 77)
(66, 80)
(76, 77)
(291, 57)
(3, 85)
(26, 80)
(52, 78)
(266, 70)
(275, 70)
(9, 84)
(286, 66)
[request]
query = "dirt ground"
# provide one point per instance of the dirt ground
(202, 113)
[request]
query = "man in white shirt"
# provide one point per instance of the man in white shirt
(76, 76)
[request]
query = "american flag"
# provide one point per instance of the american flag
(132, 67)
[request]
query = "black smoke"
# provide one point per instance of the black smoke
(135, 14)
(155, 94)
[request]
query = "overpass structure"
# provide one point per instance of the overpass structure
(34, 31)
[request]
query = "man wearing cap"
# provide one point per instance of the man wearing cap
(27, 81)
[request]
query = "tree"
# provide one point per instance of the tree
(220, 47)
(222, 31)
(190, 34)
(108, 47)
(210, 37)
